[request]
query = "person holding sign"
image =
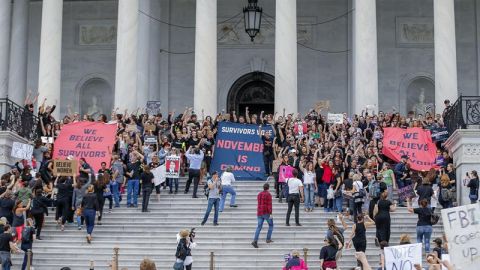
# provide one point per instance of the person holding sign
(424, 223)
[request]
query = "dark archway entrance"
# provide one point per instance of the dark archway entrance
(255, 90)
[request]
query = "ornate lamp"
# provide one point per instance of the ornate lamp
(253, 18)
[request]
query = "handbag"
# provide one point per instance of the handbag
(473, 197)
(178, 266)
(79, 212)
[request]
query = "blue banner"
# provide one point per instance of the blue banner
(439, 134)
(241, 147)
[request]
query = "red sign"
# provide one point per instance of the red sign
(90, 140)
(416, 143)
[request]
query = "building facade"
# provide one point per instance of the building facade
(403, 55)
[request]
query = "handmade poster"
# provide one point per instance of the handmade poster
(150, 127)
(333, 118)
(172, 164)
(284, 172)
(47, 139)
(462, 229)
(131, 128)
(439, 134)
(90, 140)
(403, 256)
(153, 107)
(159, 175)
(22, 151)
(416, 143)
(150, 140)
(240, 146)
(406, 193)
(65, 167)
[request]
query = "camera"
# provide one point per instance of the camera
(192, 234)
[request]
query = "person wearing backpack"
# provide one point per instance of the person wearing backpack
(27, 241)
(375, 188)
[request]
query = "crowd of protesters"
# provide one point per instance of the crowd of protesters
(336, 167)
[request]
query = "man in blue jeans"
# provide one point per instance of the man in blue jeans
(118, 177)
(227, 188)
(133, 174)
(214, 187)
(264, 213)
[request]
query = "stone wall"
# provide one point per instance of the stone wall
(404, 46)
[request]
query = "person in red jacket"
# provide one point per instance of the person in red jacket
(264, 213)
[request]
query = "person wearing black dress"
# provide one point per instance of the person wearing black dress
(358, 235)
(381, 212)
(147, 187)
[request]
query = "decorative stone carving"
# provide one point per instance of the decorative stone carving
(99, 34)
(233, 33)
(471, 150)
(414, 31)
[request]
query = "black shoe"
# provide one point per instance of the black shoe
(175, 192)
(298, 224)
(170, 192)
(195, 197)
(269, 241)
(254, 244)
(203, 223)
(233, 205)
(39, 238)
(99, 223)
(287, 224)
(185, 192)
(215, 224)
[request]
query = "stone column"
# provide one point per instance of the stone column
(445, 53)
(5, 15)
(126, 63)
(464, 147)
(286, 56)
(17, 82)
(143, 57)
(50, 63)
(205, 86)
(365, 66)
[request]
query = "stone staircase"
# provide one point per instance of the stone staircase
(153, 235)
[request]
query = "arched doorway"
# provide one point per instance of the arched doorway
(255, 90)
(95, 97)
(421, 96)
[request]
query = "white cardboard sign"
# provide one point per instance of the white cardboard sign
(462, 228)
(22, 151)
(335, 118)
(403, 257)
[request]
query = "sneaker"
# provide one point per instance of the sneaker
(215, 224)
(254, 244)
(203, 223)
(269, 241)
(79, 228)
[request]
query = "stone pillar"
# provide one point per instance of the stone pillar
(143, 57)
(445, 53)
(365, 66)
(286, 56)
(126, 63)
(205, 85)
(464, 146)
(50, 63)
(7, 138)
(17, 82)
(5, 15)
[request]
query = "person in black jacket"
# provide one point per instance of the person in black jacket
(147, 186)
(183, 249)
(64, 198)
(90, 208)
(39, 210)
(425, 190)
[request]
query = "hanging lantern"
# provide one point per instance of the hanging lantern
(253, 18)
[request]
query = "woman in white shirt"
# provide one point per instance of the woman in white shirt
(310, 186)
(359, 195)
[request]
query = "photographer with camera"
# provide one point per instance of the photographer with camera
(184, 259)
(195, 158)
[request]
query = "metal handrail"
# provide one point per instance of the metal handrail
(16, 118)
(464, 113)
